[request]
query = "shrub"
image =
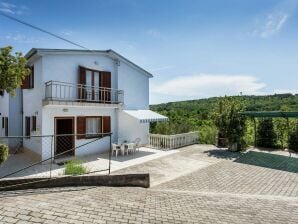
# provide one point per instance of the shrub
(293, 139)
(207, 135)
(266, 136)
(3, 152)
(75, 167)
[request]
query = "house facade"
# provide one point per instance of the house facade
(80, 94)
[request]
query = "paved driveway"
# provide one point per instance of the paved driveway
(218, 187)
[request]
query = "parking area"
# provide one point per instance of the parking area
(210, 185)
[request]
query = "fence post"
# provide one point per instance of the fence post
(51, 156)
(110, 153)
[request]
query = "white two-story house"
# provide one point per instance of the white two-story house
(79, 93)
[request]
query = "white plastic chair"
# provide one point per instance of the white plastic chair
(115, 148)
(131, 147)
(137, 142)
(124, 149)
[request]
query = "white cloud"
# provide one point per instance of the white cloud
(209, 85)
(155, 33)
(167, 67)
(66, 32)
(12, 8)
(20, 38)
(273, 21)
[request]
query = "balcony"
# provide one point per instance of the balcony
(62, 93)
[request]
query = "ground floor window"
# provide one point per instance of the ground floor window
(93, 126)
(88, 127)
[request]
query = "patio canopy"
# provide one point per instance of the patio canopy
(270, 114)
(146, 116)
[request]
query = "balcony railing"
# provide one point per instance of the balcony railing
(62, 91)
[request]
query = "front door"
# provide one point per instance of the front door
(64, 132)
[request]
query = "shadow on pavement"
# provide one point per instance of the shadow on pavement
(268, 160)
(222, 154)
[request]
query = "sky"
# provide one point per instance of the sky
(195, 49)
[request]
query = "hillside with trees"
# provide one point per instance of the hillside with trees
(199, 115)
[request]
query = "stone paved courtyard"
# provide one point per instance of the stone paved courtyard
(223, 188)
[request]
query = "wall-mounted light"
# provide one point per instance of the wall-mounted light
(96, 62)
(36, 113)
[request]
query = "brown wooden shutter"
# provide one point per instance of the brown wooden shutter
(6, 126)
(26, 83)
(27, 127)
(82, 81)
(31, 84)
(106, 124)
(81, 127)
(33, 123)
(106, 83)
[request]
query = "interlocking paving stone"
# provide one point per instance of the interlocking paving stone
(222, 192)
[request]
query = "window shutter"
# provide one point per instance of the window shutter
(106, 83)
(106, 124)
(6, 126)
(27, 126)
(31, 83)
(82, 81)
(81, 127)
(26, 83)
(33, 123)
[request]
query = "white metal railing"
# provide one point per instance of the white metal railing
(173, 141)
(63, 91)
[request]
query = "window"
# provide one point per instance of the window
(28, 82)
(33, 123)
(1, 92)
(27, 127)
(93, 126)
(88, 127)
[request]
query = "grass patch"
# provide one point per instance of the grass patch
(75, 167)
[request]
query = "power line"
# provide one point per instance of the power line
(43, 30)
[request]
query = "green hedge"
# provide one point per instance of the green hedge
(293, 140)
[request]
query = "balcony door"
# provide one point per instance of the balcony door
(93, 92)
(95, 85)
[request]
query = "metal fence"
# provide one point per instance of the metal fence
(167, 142)
(51, 156)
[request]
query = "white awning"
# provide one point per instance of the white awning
(146, 116)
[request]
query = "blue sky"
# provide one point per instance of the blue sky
(194, 49)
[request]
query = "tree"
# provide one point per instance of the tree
(293, 139)
(230, 123)
(266, 136)
(13, 69)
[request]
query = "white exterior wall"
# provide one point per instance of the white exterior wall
(32, 106)
(65, 68)
(49, 114)
(4, 110)
(135, 85)
(130, 129)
